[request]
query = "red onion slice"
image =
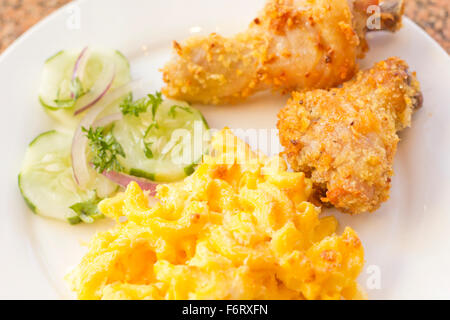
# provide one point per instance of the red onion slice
(99, 89)
(123, 180)
(79, 62)
(79, 143)
(80, 66)
(108, 120)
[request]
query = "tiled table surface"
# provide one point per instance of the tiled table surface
(16, 16)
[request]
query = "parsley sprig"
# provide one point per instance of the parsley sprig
(130, 107)
(105, 148)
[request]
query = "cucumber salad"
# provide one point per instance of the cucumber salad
(108, 138)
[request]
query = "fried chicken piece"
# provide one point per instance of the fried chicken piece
(292, 44)
(345, 138)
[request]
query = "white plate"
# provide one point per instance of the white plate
(407, 241)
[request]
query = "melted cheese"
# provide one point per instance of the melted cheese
(240, 227)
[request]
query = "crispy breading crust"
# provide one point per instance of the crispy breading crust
(345, 138)
(291, 45)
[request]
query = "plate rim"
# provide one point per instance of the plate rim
(23, 38)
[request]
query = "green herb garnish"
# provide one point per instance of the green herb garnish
(130, 107)
(86, 211)
(147, 150)
(150, 127)
(105, 148)
(172, 111)
(155, 100)
(147, 145)
(76, 88)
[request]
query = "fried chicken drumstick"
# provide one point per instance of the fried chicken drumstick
(292, 44)
(345, 138)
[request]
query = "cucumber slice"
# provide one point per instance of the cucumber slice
(164, 144)
(47, 184)
(56, 82)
